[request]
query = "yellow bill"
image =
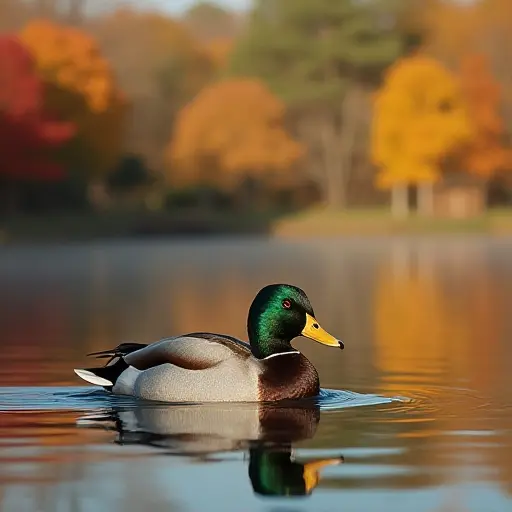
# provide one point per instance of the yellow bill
(313, 331)
(312, 470)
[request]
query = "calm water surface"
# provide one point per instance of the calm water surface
(428, 320)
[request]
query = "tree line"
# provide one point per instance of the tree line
(339, 97)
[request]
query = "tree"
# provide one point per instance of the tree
(219, 52)
(215, 144)
(419, 119)
(160, 69)
(486, 154)
(321, 56)
(13, 14)
(455, 29)
(81, 88)
(129, 174)
(207, 21)
(28, 134)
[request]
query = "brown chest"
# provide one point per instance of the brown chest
(289, 376)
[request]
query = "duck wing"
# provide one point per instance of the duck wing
(194, 351)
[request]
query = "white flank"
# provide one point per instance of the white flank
(93, 379)
(126, 381)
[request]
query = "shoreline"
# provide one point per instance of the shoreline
(90, 226)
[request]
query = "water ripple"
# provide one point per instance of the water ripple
(333, 399)
(58, 398)
(86, 398)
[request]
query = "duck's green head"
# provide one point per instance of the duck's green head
(278, 314)
(273, 472)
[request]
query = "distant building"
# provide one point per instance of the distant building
(459, 196)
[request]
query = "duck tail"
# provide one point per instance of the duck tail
(107, 375)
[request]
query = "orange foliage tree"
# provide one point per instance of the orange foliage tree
(219, 51)
(419, 118)
(486, 154)
(232, 130)
(454, 29)
(80, 87)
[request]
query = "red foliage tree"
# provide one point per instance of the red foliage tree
(28, 134)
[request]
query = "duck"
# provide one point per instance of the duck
(211, 367)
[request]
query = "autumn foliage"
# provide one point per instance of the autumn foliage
(212, 97)
(232, 129)
(28, 133)
(81, 88)
(419, 118)
(218, 51)
(486, 153)
(71, 59)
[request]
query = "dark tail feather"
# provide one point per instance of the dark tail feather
(121, 350)
(105, 376)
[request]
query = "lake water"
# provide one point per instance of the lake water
(424, 320)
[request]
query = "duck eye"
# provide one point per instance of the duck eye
(287, 303)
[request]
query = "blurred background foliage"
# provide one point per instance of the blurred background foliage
(291, 104)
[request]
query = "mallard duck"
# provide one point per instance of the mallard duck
(209, 367)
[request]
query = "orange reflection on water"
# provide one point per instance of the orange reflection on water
(437, 320)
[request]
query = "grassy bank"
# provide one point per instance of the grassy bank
(380, 222)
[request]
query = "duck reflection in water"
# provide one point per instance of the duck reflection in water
(265, 432)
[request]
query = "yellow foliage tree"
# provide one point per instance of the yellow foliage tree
(80, 87)
(232, 130)
(419, 118)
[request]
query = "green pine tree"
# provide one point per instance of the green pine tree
(322, 57)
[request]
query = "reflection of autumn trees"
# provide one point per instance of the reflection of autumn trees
(432, 312)
(439, 337)
(409, 326)
(34, 335)
(47, 463)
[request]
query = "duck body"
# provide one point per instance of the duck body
(210, 367)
